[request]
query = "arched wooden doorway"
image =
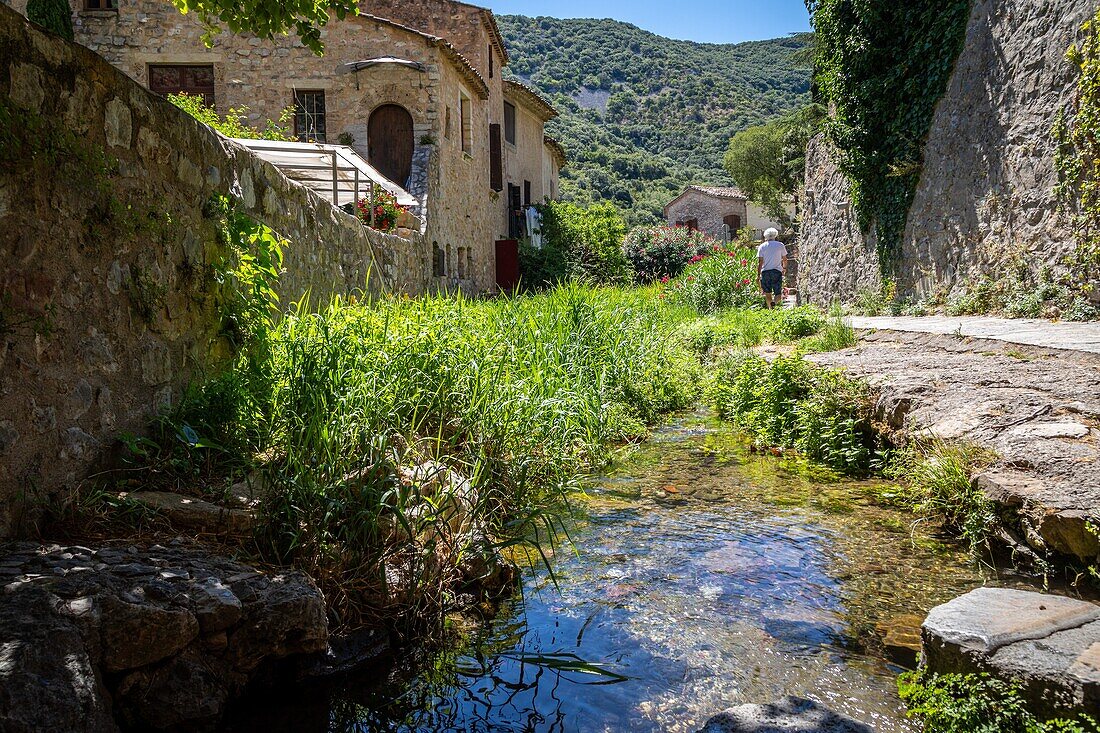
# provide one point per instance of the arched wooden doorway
(390, 142)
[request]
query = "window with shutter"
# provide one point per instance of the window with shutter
(496, 159)
(510, 123)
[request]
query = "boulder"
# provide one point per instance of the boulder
(1049, 645)
(789, 715)
(154, 637)
(48, 680)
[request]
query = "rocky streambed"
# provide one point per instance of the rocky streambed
(704, 577)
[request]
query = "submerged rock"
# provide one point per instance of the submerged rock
(789, 715)
(155, 638)
(1050, 645)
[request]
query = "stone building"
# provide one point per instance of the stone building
(525, 153)
(415, 88)
(716, 211)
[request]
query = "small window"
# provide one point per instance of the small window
(466, 122)
(447, 123)
(491, 62)
(165, 79)
(309, 116)
(510, 122)
(439, 261)
(101, 4)
(526, 193)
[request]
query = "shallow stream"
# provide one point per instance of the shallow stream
(703, 576)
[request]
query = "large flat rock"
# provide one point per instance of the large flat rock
(155, 638)
(1049, 645)
(1037, 409)
(789, 715)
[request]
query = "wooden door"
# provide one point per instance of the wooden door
(390, 142)
(507, 252)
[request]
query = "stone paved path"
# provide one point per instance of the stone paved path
(1028, 332)
(1037, 407)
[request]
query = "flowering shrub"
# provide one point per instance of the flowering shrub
(656, 252)
(724, 278)
(386, 211)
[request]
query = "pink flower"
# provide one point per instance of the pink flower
(745, 281)
(691, 279)
(664, 279)
(743, 262)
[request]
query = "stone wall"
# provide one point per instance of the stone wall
(836, 259)
(108, 305)
(986, 192)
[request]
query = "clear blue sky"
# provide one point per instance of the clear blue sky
(710, 21)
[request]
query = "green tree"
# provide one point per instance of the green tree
(269, 18)
(55, 15)
(754, 160)
(767, 161)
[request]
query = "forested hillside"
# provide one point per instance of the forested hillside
(644, 115)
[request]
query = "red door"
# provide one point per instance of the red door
(508, 264)
(390, 142)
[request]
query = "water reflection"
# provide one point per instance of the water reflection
(704, 577)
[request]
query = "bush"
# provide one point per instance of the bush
(958, 703)
(717, 281)
(659, 252)
(791, 403)
(54, 15)
(235, 124)
(583, 244)
(791, 325)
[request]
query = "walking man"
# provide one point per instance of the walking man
(771, 264)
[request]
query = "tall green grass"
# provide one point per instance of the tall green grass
(937, 482)
(522, 396)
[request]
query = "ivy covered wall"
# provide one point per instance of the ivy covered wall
(940, 191)
(882, 66)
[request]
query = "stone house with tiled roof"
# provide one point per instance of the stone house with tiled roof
(415, 88)
(713, 210)
(525, 152)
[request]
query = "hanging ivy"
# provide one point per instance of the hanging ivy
(882, 66)
(1077, 156)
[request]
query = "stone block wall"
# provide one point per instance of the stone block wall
(836, 260)
(987, 189)
(108, 307)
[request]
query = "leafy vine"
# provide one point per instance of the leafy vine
(882, 66)
(1077, 155)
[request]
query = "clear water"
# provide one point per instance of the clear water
(703, 577)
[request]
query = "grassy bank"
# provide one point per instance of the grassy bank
(388, 438)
